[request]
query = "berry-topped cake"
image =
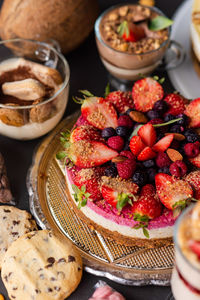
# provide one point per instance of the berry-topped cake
(132, 162)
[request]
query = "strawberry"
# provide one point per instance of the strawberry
(195, 247)
(146, 153)
(145, 93)
(121, 100)
(99, 112)
(163, 144)
(136, 145)
(147, 207)
(193, 112)
(117, 192)
(90, 178)
(87, 154)
(85, 132)
(130, 32)
(176, 104)
(172, 192)
(195, 161)
(193, 179)
(147, 134)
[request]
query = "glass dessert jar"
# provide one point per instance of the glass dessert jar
(185, 281)
(128, 59)
(34, 80)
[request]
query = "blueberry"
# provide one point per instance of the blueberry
(169, 117)
(122, 131)
(149, 163)
(151, 174)
(177, 128)
(152, 114)
(160, 106)
(111, 171)
(160, 135)
(126, 146)
(184, 120)
(129, 110)
(108, 132)
(191, 136)
(140, 178)
(164, 170)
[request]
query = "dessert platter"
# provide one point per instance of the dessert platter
(123, 173)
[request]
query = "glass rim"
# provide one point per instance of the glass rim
(175, 236)
(61, 88)
(98, 35)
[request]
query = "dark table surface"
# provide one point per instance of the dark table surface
(87, 72)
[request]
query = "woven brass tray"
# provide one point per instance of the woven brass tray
(102, 257)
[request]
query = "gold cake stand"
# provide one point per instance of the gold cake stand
(101, 256)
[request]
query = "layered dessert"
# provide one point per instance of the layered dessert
(186, 274)
(132, 162)
(195, 28)
(132, 39)
(32, 98)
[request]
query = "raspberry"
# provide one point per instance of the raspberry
(162, 160)
(128, 154)
(178, 168)
(126, 168)
(126, 121)
(116, 143)
(192, 149)
(156, 121)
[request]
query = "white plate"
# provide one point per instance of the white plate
(184, 78)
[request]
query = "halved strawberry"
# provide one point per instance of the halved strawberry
(195, 161)
(163, 144)
(193, 112)
(85, 132)
(147, 134)
(145, 93)
(121, 100)
(146, 153)
(176, 104)
(195, 247)
(117, 192)
(147, 205)
(172, 192)
(99, 112)
(136, 145)
(130, 32)
(193, 178)
(87, 154)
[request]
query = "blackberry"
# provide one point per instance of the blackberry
(108, 132)
(140, 178)
(122, 131)
(183, 121)
(160, 106)
(149, 163)
(169, 117)
(111, 171)
(177, 128)
(191, 136)
(152, 114)
(151, 174)
(164, 170)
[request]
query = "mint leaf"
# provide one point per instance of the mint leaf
(107, 90)
(75, 188)
(159, 23)
(61, 155)
(145, 232)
